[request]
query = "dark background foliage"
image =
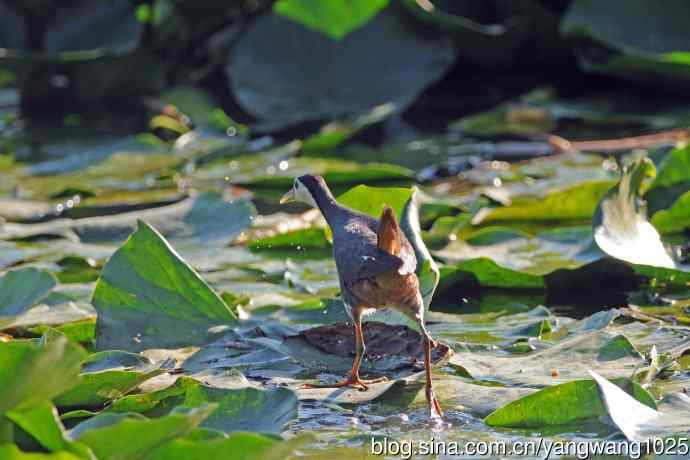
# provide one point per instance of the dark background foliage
(297, 62)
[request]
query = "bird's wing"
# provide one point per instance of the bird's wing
(393, 241)
(363, 259)
(358, 255)
(389, 236)
(408, 256)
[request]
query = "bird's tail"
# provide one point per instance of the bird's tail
(389, 234)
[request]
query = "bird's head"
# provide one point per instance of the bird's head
(307, 189)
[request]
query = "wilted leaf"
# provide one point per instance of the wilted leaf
(637, 421)
(393, 351)
(383, 341)
(620, 225)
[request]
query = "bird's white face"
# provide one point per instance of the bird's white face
(302, 194)
(299, 192)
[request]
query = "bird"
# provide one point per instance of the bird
(376, 270)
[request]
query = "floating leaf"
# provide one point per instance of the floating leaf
(629, 47)
(148, 297)
(617, 348)
(308, 238)
(335, 134)
(387, 60)
(493, 235)
(133, 436)
(491, 43)
(576, 203)
(201, 218)
(44, 425)
(559, 405)
(106, 376)
(335, 18)
(674, 169)
(336, 173)
(567, 360)
(485, 272)
(200, 107)
(12, 452)
(51, 365)
(675, 219)
(94, 45)
(75, 269)
(241, 409)
(427, 270)
(22, 289)
(557, 261)
(202, 445)
(76, 320)
(372, 200)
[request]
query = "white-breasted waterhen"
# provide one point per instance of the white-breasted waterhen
(376, 266)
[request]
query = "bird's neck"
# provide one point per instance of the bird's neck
(332, 210)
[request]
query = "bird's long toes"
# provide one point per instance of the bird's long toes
(378, 380)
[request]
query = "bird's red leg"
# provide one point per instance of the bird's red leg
(434, 406)
(359, 355)
(353, 379)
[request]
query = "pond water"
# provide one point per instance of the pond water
(70, 202)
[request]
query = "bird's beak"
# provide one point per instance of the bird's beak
(289, 197)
